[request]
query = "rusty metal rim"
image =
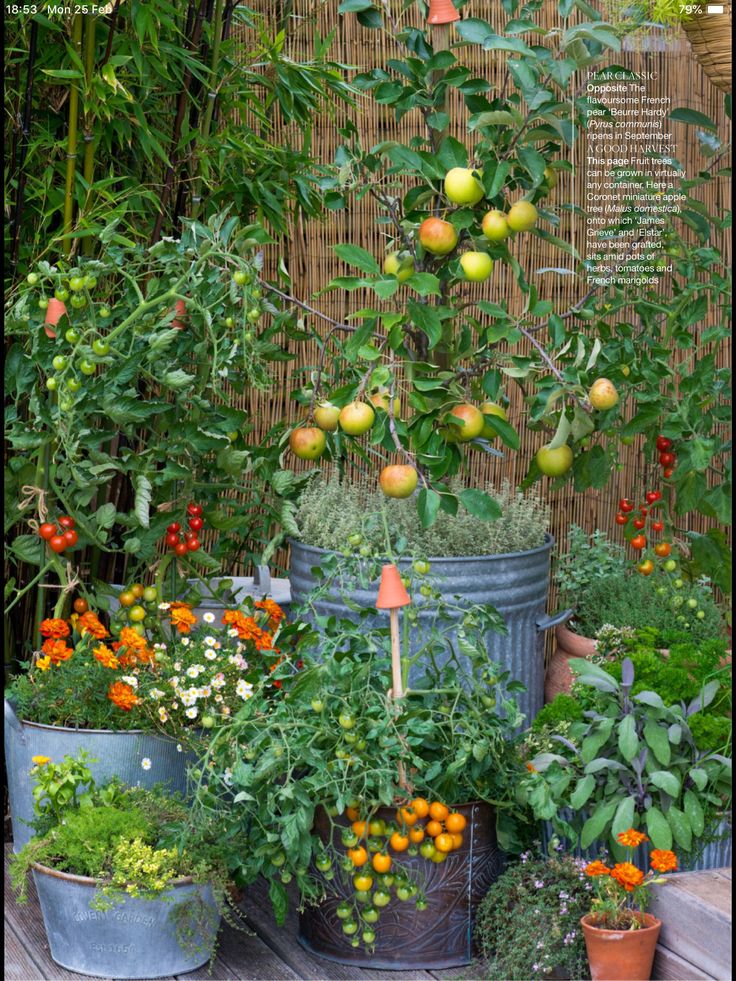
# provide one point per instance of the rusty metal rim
(548, 543)
(106, 732)
(85, 880)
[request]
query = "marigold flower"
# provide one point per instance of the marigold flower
(106, 657)
(56, 650)
(247, 629)
(54, 628)
(40, 760)
(531, 768)
(43, 663)
(627, 875)
(663, 861)
(122, 695)
(596, 868)
(181, 617)
(274, 611)
(89, 623)
(137, 646)
(631, 838)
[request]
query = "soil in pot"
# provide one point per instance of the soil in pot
(621, 955)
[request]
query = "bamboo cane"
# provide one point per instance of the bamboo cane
(71, 146)
(26, 136)
(88, 167)
(211, 97)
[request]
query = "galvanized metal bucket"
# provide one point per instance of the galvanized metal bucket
(517, 585)
(137, 938)
(715, 855)
(439, 936)
(118, 754)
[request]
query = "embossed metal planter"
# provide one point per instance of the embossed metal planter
(517, 585)
(119, 754)
(434, 938)
(136, 939)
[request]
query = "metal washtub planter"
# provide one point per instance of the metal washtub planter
(118, 754)
(431, 939)
(137, 938)
(516, 584)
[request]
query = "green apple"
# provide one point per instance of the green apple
(491, 409)
(522, 217)
(326, 415)
(603, 394)
(477, 266)
(400, 265)
(495, 226)
(356, 418)
(466, 422)
(461, 187)
(554, 462)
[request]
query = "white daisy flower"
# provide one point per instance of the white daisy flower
(146, 763)
(194, 671)
(179, 748)
(244, 689)
(130, 679)
(205, 692)
(192, 713)
(218, 698)
(177, 665)
(210, 641)
(164, 606)
(208, 617)
(225, 710)
(157, 693)
(184, 641)
(211, 654)
(163, 714)
(159, 647)
(232, 632)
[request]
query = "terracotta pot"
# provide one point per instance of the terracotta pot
(54, 312)
(180, 309)
(442, 12)
(621, 955)
(559, 677)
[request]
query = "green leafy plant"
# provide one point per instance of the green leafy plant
(589, 560)
(334, 514)
(631, 762)
(528, 925)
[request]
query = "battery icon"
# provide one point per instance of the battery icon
(714, 8)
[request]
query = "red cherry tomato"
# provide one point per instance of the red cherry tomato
(638, 542)
(174, 526)
(621, 519)
(667, 459)
(47, 531)
(658, 525)
(644, 511)
(195, 524)
(181, 549)
(66, 522)
(194, 510)
(172, 539)
(639, 523)
(193, 544)
(57, 543)
(625, 505)
(71, 537)
(663, 444)
(667, 472)
(189, 534)
(662, 549)
(653, 496)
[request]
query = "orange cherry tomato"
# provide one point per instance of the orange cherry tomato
(662, 549)
(358, 856)
(646, 568)
(81, 605)
(434, 828)
(420, 807)
(381, 862)
(353, 814)
(359, 828)
(407, 816)
(416, 834)
(438, 811)
(443, 842)
(638, 542)
(455, 823)
(457, 840)
(399, 842)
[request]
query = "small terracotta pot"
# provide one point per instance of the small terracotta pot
(559, 677)
(621, 955)
(54, 312)
(442, 12)
(180, 309)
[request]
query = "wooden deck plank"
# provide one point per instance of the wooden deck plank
(242, 956)
(17, 961)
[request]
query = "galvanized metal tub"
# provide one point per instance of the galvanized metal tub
(517, 585)
(716, 854)
(437, 937)
(135, 939)
(118, 754)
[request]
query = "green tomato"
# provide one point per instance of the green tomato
(256, 293)
(349, 927)
(323, 862)
(103, 312)
(278, 859)
(87, 367)
(349, 838)
(240, 277)
(136, 614)
(317, 705)
(43, 303)
(368, 936)
(427, 849)
(421, 567)
(90, 282)
(346, 720)
(60, 362)
(65, 405)
(381, 897)
(286, 877)
(52, 384)
(678, 583)
(229, 322)
(425, 590)
(32, 278)
(78, 301)
(150, 622)
(370, 914)
(150, 593)
(670, 565)
(677, 601)
(76, 283)
(61, 294)
(692, 603)
(207, 721)
(72, 336)
(253, 315)
(73, 384)
(422, 904)
(700, 614)
(403, 893)
(362, 895)
(100, 347)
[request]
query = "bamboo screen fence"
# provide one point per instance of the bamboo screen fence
(311, 262)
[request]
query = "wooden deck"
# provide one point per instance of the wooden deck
(266, 954)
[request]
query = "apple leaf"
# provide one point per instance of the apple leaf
(480, 504)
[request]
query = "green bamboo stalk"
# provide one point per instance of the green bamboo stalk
(88, 168)
(211, 96)
(71, 146)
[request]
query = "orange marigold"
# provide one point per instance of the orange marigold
(631, 838)
(89, 623)
(54, 628)
(663, 861)
(274, 611)
(122, 695)
(531, 768)
(181, 617)
(596, 868)
(248, 629)
(106, 657)
(56, 650)
(627, 875)
(132, 639)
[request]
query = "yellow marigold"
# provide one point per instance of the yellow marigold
(274, 611)
(181, 617)
(89, 623)
(627, 875)
(122, 695)
(40, 760)
(663, 861)
(43, 663)
(596, 868)
(106, 657)
(56, 650)
(54, 628)
(631, 838)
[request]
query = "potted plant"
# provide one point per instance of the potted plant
(620, 936)
(371, 793)
(631, 760)
(132, 701)
(128, 888)
(503, 563)
(528, 925)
